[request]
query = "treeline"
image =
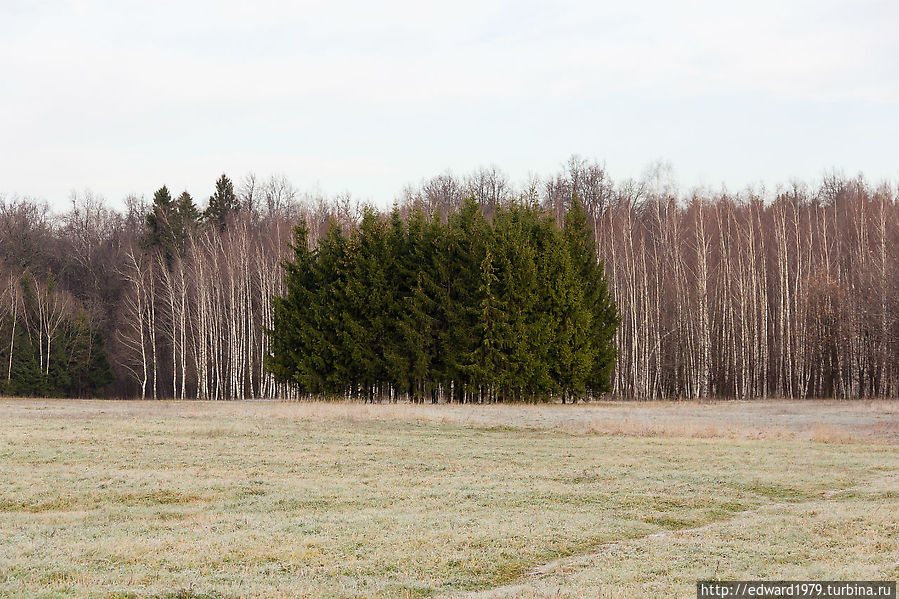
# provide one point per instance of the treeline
(735, 296)
(464, 309)
(754, 294)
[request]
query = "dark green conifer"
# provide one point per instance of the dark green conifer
(332, 348)
(187, 217)
(222, 203)
(418, 324)
(368, 301)
(294, 337)
(161, 221)
(596, 297)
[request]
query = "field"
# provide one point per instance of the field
(253, 499)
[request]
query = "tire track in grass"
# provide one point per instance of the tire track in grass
(573, 563)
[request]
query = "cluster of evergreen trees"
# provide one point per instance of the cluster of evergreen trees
(170, 222)
(464, 309)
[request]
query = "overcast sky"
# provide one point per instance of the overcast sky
(123, 96)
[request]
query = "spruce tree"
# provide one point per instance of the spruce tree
(367, 302)
(488, 361)
(596, 297)
(516, 296)
(331, 353)
(465, 252)
(86, 361)
(418, 322)
(187, 216)
(575, 352)
(222, 203)
(294, 336)
(27, 379)
(160, 222)
(544, 320)
(437, 285)
(400, 272)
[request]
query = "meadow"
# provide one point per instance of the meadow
(120, 499)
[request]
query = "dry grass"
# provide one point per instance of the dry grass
(832, 421)
(850, 536)
(142, 499)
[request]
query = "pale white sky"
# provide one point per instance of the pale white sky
(123, 96)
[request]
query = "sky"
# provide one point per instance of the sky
(124, 96)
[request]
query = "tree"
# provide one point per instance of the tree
(367, 302)
(188, 216)
(222, 203)
(520, 330)
(417, 325)
(161, 223)
(597, 300)
(464, 253)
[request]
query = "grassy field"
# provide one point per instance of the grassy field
(167, 499)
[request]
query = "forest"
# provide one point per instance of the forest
(785, 293)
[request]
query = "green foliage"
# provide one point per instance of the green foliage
(87, 362)
(221, 203)
(467, 309)
(72, 363)
(597, 299)
(170, 222)
(187, 215)
(159, 231)
(294, 356)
